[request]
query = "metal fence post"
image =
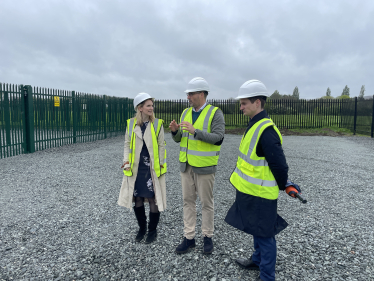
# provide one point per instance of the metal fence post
(355, 117)
(340, 103)
(24, 143)
(127, 114)
(29, 119)
(104, 115)
(74, 111)
(372, 120)
(7, 120)
(67, 115)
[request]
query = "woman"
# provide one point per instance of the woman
(144, 165)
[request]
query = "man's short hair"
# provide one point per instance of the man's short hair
(261, 98)
(205, 94)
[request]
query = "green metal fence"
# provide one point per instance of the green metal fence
(12, 120)
(354, 114)
(34, 119)
(358, 115)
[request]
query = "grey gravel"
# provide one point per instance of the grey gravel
(59, 218)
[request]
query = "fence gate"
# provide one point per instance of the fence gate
(33, 119)
(12, 120)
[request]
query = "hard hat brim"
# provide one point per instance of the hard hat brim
(195, 90)
(259, 94)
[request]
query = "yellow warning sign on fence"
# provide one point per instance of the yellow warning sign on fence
(57, 101)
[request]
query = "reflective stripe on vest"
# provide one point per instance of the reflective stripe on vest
(155, 130)
(252, 174)
(199, 153)
(254, 180)
(130, 129)
(247, 157)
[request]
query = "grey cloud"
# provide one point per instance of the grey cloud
(122, 48)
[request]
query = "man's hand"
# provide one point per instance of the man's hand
(188, 127)
(292, 189)
(174, 126)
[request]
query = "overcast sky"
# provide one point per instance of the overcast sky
(121, 48)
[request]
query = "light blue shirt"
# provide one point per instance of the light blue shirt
(201, 108)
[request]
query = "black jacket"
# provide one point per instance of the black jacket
(270, 147)
(255, 215)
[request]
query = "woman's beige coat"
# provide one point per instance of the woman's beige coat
(127, 189)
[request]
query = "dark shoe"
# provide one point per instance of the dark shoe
(247, 264)
(152, 235)
(141, 233)
(142, 222)
(259, 279)
(154, 218)
(185, 245)
(208, 245)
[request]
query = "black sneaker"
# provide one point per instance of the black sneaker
(208, 245)
(247, 264)
(185, 245)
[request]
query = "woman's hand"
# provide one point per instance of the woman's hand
(123, 166)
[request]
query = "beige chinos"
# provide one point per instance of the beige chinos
(192, 185)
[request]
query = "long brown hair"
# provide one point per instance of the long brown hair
(138, 114)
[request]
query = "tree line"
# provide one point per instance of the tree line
(296, 95)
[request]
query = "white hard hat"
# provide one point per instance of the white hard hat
(140, 98)
(252, 88)
(197, 84)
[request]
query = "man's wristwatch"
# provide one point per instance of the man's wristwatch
(194, 134)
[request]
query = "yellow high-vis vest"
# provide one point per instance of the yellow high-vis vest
(252, 174)
(155, 130)
(199, 153)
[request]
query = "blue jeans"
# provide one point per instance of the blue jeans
(265, 256)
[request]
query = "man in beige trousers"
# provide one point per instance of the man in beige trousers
(200, 134)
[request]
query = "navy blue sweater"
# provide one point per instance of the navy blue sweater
(270, 147)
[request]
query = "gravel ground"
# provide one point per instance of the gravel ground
(59, 218)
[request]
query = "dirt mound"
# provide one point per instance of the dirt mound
(236, 131)
(287, 132)
(321, 132)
